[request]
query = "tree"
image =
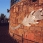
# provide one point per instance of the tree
(3, 18)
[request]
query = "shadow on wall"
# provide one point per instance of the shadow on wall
(4, 35)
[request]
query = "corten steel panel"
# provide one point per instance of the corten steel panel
(17, 13)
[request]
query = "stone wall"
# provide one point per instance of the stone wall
(17, 13)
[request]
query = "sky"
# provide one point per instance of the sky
(4, 5)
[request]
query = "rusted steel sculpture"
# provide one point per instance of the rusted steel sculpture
(26, 20)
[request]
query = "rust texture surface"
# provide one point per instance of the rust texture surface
(17, 13)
